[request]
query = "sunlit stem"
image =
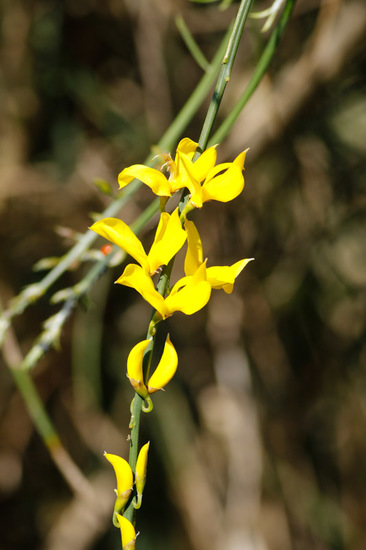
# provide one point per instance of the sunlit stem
(225, 72)
(258, 74)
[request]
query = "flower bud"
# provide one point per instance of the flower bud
(128, 534)
(124, 477)
(140, 476)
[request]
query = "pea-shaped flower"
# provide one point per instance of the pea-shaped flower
(124, 477)
(204, 180)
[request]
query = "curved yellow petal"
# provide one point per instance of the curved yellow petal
(205, 163)
(189, 179)
(166, 368)
(128, 533)
(193, 296)
(223, 187)
(151, 177)
(190, 299)
(224, 276)
(240, 159)
(169, 238)
(141, 467)
(194, 255)
(186, 146)
(124, 475)
(135, 277)
(119, 233)
(135, 367)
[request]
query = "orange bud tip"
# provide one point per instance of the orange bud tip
(106, 249)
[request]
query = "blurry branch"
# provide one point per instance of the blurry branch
(191, 44)
(271, 14)
(53, 325)
(151, 24)
(43, 424)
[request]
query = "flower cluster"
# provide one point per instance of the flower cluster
(205, 181)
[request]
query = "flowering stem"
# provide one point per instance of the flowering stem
(259, 71)
(138, 402)
(163, 283)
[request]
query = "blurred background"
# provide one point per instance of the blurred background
(259, 441)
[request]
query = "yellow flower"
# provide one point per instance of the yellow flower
(163, 373)
(219, 276)
(188, 295)
(204, 180)
(155, 179)
(141, 467)
(169, 238)
(124, 477)
(128, 533)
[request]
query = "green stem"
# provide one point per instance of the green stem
(258, 74)
(225, 72)
(35, 407)
(191, 44)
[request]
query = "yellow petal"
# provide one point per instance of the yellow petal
(194, 255)
(189, 180)
(224, 276)
(128, 533)
(124, 475)
(141, 467)
(169, 238)
(205, 163)
(192, 297)
(135, 277)
(151, 177)
(223, 187)
(166, 368)
(187, 146)
(119, 233)
(240, 159)
(135, 367)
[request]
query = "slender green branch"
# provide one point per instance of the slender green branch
(258, 74)
(225, 72)
(191, 44)
(54, 324)
(45, 428)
